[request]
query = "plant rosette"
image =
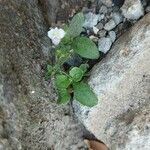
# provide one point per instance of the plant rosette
(68, 40)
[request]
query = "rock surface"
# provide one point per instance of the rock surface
(29, 116)
(122, 83)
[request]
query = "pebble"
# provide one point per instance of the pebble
(95, 30)
(112, 35)
(147, 9)
(103, 9)
(102, 33)
(118, 3)
(102, 16)
(110, 25)
(93, 38)
(99, 26)
(132, 9)
(107, 3)
(91, 20)
(104, 44)
(117, 17)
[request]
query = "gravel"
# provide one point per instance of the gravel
(111, 20)
(117, 17)
(112, 35)
(100, 26)
(132, 9)
(102, 33)
(104, 44)
(110, 25)
(91, 20)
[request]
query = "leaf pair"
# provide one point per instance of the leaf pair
(82, 92)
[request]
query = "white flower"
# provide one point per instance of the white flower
(56, 35)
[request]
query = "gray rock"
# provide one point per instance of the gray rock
(112, 35)
(108, 3)
(132, 9)
(102, 33)
(117, 17)
(99, 26)
(91, 20)
(121, 82)
(29, 116)
(104, 44)
(147, 9)
(103, 9)
(110, 25)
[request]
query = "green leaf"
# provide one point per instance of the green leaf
(85, 48)
(49, 70)
(76, 74)
(75, 26)
(84, 94)
(62, 81)
(84, 67)
(64, 96)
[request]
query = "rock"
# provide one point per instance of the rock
(117, 17)
(121, 82)
(104, 44)
(103, 9)
(108, 3)
(110, 25)
(99, 26)
(112, 35)
(91, 20)
(102, 33)
(132, 9)
(147, 9)
(95, 30)
(118, 3)
(29, 116)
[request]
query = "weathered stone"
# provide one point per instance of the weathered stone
(112, 35)
(103, 9)
(91, 20)
(121, 82)
(102, 33)
(108, 3)
(104, 44)
(117, 17)
(110, 25)
(29, 116)
(132, 9)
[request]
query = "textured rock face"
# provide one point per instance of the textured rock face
(29, 116)
(122, 83)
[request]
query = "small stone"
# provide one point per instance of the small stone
(100, 26)
(112, 35)
(132, 9)
(103, 9)
(102, 33)
(104, 44)
(147, 9)
(91, 20)
(102, 16)
(93, 38)
(95, 30)
(107, 3)
(110, 25)
(117, 17)
(118, 3)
